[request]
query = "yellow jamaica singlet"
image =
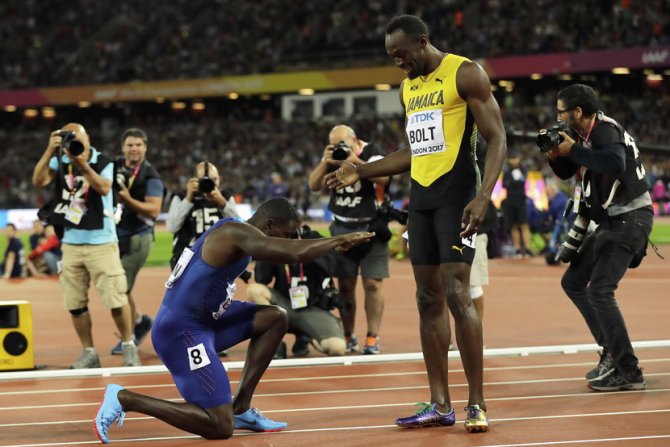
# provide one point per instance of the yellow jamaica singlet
(442, 137)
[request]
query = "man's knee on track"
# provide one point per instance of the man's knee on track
(331, 346)
(218, 431)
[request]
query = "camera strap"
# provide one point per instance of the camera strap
(288, 274)
(588, 133)
(134, 175)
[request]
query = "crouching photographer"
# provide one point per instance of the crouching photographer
(307, 293)
(613, 192)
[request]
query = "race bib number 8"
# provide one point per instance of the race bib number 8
(197, 357)
(425, 133)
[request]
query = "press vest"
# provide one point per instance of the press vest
(81, 191)
(129, 219)
(603, 190)
(358, 200)
(202, 216)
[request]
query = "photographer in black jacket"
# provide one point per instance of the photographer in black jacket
(614, 193)
(307, 293)
(140, 193)
(354, 209)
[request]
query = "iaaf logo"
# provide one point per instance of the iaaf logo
(422, 117)
(654, 57)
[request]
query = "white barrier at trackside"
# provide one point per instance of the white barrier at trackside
(319, 361)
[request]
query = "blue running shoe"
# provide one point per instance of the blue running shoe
(142, 329)
(476, 419)
(352, 343)
(253, 420)
(110, 410)
(118, 349)
(372, 345)
(427, 416)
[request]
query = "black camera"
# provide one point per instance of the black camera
(550, 138)
(74, 147)
(330, 299)
(206, 184)
(341, 151)
(389, 213)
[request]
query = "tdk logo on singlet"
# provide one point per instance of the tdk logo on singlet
(421, 117)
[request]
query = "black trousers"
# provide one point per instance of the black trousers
(594, 275)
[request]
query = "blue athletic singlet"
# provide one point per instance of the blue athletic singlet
(197, 319)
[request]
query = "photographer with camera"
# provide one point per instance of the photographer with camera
(140, 193)
(83, 207)
(354, 209)
(203, 204)
(613, 192)
(307, 293)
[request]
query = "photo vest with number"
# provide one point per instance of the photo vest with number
(129, 219)
(93, 217)
(202, 216)
(601, 190)
(358, 200)
(442, 136)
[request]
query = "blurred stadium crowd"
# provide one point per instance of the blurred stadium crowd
(125, 41)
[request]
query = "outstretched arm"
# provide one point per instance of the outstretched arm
(234, 240)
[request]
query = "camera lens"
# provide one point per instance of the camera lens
(205, 185)
(341, 151)
(75, 148)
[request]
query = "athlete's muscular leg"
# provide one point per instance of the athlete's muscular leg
(374, 303)
(211, 423)
(434, 330)
(270, 324)
(347, 287)
(456, 282)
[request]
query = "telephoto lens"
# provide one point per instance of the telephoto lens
(568, 249)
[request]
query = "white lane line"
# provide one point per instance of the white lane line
(367, 427)
(359, 407)
(489, 399)
(337, 377)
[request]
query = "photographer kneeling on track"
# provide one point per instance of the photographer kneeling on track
(614, 193)
(307, 293)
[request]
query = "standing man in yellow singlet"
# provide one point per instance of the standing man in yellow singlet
(447, 101)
